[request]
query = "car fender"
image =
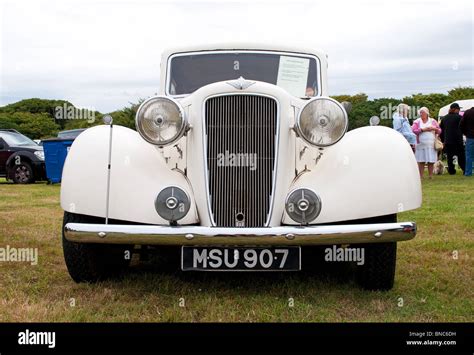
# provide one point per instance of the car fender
(138, 172)
(371, 172)
(30, 157)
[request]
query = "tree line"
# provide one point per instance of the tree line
(38, 118)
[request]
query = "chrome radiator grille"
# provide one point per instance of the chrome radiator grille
(241, 135)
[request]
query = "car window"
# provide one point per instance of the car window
(16, 139)
(295, 73)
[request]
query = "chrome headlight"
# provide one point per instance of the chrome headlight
(322, 122)
(160, 120)
(303, 205)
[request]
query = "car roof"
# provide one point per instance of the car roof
(243, 46)
(11, 130)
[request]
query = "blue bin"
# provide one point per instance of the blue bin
(55, 152)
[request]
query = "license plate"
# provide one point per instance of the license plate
(240, 259)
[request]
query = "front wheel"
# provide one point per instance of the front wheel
(23, 173)
(93, 262)
(378, 270)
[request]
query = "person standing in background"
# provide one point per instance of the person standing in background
(426, 130)
(402, 125)
(467, 128)
(451, 136)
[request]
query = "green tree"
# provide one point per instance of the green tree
(126, 116)
(461, 93)
(7, 123)
(353, 99)
(37, 116)
(432, 101)
(363, 109)
(33, 125)
(36, 105)
(94, 119)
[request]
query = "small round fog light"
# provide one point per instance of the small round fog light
(303, 205)
(172, 203)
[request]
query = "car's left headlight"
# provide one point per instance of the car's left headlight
(39, 154)
(322, 122)
(160, 120)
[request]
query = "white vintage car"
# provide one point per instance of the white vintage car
(241, 163)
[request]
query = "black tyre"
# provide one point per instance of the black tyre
(378, 271)
(93, 262)
(22, 173)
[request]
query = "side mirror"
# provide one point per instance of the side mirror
(2, 146)
(347, 106)
(374, 120)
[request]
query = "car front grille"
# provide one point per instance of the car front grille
(241, 133)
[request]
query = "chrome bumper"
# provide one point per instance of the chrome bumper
(197, 235)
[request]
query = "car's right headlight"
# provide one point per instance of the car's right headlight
(160, 120)
(322, 122)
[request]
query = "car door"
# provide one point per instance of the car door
(4, 155)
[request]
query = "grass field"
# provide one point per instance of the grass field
(431, 283)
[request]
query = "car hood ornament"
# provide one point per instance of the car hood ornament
(241, 83)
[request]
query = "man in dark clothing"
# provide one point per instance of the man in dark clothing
(467, 128)
(451, 136)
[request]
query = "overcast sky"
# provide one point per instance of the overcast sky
(105, 54)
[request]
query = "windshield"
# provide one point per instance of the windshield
(15, 139)
(295, 73)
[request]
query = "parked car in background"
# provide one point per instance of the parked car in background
(21, 159)
(242, 163)
(71, 134)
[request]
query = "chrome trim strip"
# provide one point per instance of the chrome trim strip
(109, 166)
(226, 51)
(198, 235)
(277, 151)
